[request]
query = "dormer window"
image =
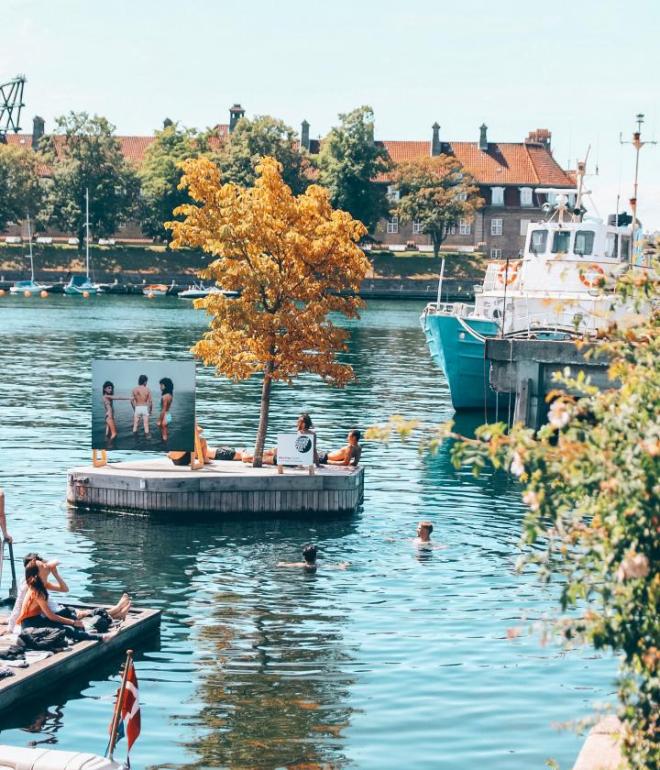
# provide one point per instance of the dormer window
(526, 197)
(393, 194)
(497, 196)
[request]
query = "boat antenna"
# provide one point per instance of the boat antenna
(580, 174)
(87, 231)
(637, 143)
(30, 246)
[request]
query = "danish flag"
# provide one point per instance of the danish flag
(130, 707)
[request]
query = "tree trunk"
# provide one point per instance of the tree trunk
(437, 242)
(257, 462)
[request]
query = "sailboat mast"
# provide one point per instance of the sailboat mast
(30, 247)
(87, 232)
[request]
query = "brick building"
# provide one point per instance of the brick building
(509, 176)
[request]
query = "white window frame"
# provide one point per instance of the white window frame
(497, 196)
(461, 196)
(449, 230)
(496, 253)
(417, 227)
(393, 225)
(524, 225)
(464, 227)
(496, 226)
(526, 197)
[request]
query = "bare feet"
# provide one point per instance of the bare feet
(109, 635)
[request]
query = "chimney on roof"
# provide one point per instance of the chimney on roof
(483, 137)
(304, 135)
(236, 112)
(540, 136)
(436, 147)
(38, 130)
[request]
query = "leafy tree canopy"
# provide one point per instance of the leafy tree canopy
(350, 163)
(160, 175)
(437, 192)
(84, 154)
(294, 261)
(21, 191)
(252, 140)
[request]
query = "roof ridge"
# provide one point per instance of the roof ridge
(531, 161)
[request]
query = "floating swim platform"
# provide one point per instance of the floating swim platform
(222, 487)
(38, 678)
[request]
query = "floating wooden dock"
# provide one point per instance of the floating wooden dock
(36, 679)
(158, 486)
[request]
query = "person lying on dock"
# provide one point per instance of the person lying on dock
(309, 561)
(58, 585)
(347, 455)
(35, 612)
(210, 453)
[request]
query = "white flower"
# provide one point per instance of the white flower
(532, 499)
(559, 415)
(635, 565)
(517, 465)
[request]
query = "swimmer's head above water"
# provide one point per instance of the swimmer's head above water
(424, 529)
(309, 555)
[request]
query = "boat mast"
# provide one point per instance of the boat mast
(30, 247)
(87, 232)
(637, 144)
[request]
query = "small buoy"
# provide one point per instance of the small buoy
(2, 292)
(85, 294)
(27, 293)
(151, 295)
(43, 293)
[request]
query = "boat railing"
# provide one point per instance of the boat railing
(573, 322)
(449, 308)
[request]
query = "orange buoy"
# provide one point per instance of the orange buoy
(43, 293)
(27, 293)
(85, 294)
(2, 292)
(151, 295)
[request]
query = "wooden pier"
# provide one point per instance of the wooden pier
(40, 677)
(158, 486)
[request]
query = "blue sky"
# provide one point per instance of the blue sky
(583, 69)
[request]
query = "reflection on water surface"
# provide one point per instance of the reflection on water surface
(401, 660)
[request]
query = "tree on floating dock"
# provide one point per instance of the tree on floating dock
(294, 260)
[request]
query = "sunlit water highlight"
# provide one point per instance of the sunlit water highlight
(400, 661)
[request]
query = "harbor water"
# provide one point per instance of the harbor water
(404, 659)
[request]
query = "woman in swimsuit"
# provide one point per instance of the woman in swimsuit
(108, 398)
(166, 398)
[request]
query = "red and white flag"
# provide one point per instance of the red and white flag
(130, 707)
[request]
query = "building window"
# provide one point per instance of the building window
(461, 196)
(496, 227)
(496, 253)
(497, 196)
(418, 228)
(449, 230)
(526, 197)
(393, 225)
(524, 224)
(393, 194)
(464, 227)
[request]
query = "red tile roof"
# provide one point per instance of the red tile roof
(504, 163)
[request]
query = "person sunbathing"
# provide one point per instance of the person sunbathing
(304, 427)
(36, 613)
(209, 453)
(347, 455)
(53, 582)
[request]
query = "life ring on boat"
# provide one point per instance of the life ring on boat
(592, 268)
(508, 276)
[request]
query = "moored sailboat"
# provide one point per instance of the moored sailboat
(83, 285)
(31, 287)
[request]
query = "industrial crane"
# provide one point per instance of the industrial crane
(11, 103)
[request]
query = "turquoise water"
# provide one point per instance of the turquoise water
(400, 661)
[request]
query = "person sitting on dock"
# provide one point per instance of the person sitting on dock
(36, 613)
(304, 427)
(347, 455)
(46, 570)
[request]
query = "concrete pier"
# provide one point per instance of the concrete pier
(158, 486)
(525, 367)
(602, 749)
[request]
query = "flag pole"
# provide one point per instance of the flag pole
(117, 714)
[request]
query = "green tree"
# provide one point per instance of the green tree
(21, 191)
(437, 192)
(160, 174)
(252, 140)
(85, 154)
(350, 163)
